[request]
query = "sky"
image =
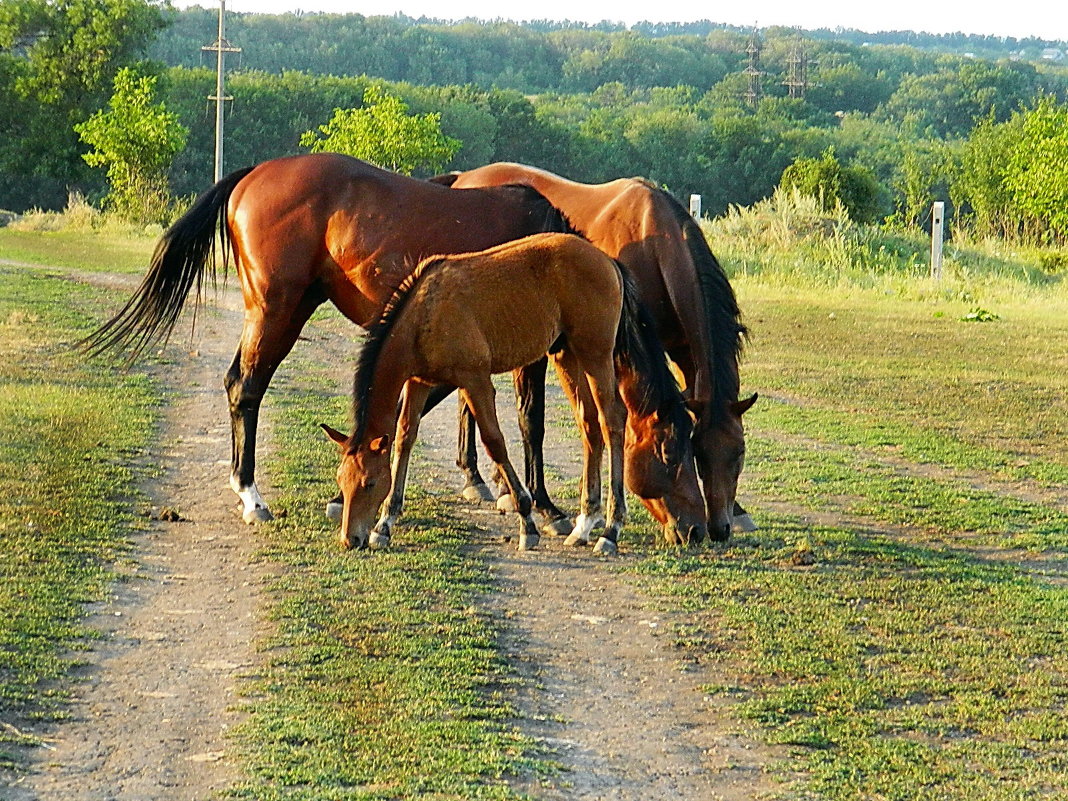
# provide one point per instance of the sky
(1045, 19)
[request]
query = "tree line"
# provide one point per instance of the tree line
(590, 102)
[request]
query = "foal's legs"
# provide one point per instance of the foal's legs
(267, 337)
(413, 401)
(480, 396)
(577, 388)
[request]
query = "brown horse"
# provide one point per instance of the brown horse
(460, 319)
(304, 230)
(681, 283)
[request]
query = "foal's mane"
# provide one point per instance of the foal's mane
(638, 348)
(375, 340)
(726, 332)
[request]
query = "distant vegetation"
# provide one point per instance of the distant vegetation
(923, 116)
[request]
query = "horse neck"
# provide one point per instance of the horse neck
(391, 371)
(636, 392)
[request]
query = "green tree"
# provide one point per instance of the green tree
(136, 140)
(384, 133)
(58, 59)
(826, 179)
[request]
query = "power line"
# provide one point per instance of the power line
(220, 47)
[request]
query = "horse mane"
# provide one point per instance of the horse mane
(638, 348)
(726, 332)
(375, 340)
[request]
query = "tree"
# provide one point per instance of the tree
(384, 133)
(827, 180)
(58, 59)
(136, 141)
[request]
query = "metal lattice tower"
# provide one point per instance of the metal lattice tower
(753, 71)
(797, 75)
(220, 47)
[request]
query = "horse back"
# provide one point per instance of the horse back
(357, 231)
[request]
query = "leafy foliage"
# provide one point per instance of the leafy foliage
(136, 140)
(827, 180)
(383, 133)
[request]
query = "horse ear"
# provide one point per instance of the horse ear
(335, 436)
(741, 407)
(379, 445)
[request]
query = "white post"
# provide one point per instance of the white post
(695, 206)
(937, 217)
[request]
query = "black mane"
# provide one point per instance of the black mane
(373, 343)
(726, 332)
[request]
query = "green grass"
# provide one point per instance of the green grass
(68, 437)
(382, 676)
(909, 660)
(78, 249)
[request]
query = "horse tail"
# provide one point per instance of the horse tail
(638, 349)
(179, 261)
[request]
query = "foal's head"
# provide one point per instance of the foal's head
(364, 480)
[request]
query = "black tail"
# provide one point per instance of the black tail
(638, 349)
(181, 255)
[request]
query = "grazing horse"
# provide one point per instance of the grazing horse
(459, 319)
(304, 230)
(688, 294)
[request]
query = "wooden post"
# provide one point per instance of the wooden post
(695, 207)
(937, 217)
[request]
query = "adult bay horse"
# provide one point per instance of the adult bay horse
(304, 230)
(682, 284)
(459, 319)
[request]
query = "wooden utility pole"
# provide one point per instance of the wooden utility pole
(220, 47)
(937, 216)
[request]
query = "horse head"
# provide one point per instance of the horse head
(659, 468)
(364, 480)
(720, 448)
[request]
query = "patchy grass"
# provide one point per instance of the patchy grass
(870, 625)
(68, 437)
(382, 678)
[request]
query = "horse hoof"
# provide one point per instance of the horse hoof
(528, 541)
(258, 514)
(476, 493)
(333, 512)
(558, 527)
(606, 547)
(506, 504)
(745, 523)
(378, 541)
(577, 539)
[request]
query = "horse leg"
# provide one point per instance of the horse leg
(412, 404)
(742, 520)
(267, 337)
(613, 418)
(574, 382)
(530, 402)
(475, 487)
(480, 396)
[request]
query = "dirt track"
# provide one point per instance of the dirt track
(602, 684)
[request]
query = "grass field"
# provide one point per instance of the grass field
(897, 625)
(69, 444)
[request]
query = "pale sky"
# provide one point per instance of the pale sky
(1046, 19)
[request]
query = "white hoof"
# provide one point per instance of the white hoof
(605, 546)
(333, 512)
(557, 528)
(257, 514)
(577, 538)
(476, 493)
(378, 541)
(745, 523)
(506, 504)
